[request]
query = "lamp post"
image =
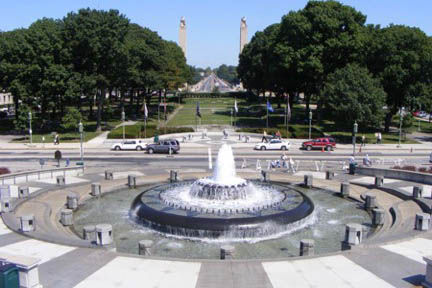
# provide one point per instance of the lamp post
(400, 126)
(30, 127)
(123, 116)
(310, 124)
(231, 117)
(355, 130)
(81, 130)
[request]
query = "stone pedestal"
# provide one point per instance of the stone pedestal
(28, 272)
(344, 190)
(378, 217)
(132, 181)
(353, 235)
(104, 234)
(109, 175)
(5, 192)
(307, 247)
(428, 277)
(27, 223)
(173, 176)
(144, 247)
(370, 201)
(23, 192)
(422, 221)
(227, 252)
(72, 201)
(329, 175)
(66, 217)
(264, 176)
(308, 181)
(5, 205)
(379, 181)
(89, 233)
(61, 180)
(418, 192)
(96, 189)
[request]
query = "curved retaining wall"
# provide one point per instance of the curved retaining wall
(424, 178)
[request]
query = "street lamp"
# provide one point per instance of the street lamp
(30, 127)
(400, 126)
(81, 130)
(310, 124)
(355, 130)
(123, 117)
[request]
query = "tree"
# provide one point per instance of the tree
(399, 57)
(21, 122)
(94, 42)
(228, 73)
(354, 95)
(71, 119)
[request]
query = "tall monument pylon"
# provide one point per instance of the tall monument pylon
(243, 33)
(182, 35)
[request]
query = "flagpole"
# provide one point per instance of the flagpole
(287, 115)
(267, 114)
(145, 127)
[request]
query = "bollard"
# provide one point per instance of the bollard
(353, 235)
(5, 192)
(61, 181)
(5, 205)
(144, 247)
(308, 181)
(104, 234)
(131, 181)
(89, 232)
(417, 192)
(66, 217)
(23, 192)
(422, 221)
(96, 189)
(72, 201)
(329, 175)
(27, 223)
(173, 176)
(428, 277)
(379, 181)
(378, 217)
(227, 252)
(109, 175)
(307, 247)
(344, 190)
(370, 201)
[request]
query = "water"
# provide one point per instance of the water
(327, 229)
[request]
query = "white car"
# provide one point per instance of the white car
(274, 144)
(130, 145)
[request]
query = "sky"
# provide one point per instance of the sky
(213, 27)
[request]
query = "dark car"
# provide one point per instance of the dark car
(320, 143)
(164, 146)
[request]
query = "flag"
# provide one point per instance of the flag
(288, 109)
(235, 106)
(198, 113)
(269, 107)
(145, 111)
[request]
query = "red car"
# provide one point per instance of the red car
(326, 142)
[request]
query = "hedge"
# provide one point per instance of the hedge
(137, 131)
(294, 131)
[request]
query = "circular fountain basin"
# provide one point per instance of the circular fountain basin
(210, 218)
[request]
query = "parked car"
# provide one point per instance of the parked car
(164, 146)
(130, 145)
(326, 142)
(274, 144)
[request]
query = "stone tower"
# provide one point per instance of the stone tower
(243, 33)
(182, 35)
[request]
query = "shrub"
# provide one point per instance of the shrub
(422, 170)
(71, 119)
(409, 168)
(397, 167)
(4, 170)
(135, 131)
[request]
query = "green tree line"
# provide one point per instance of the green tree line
(84, 57)
(350, 69)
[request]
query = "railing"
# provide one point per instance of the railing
(38, 174)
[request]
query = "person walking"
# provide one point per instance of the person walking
(264, 138)
(278, 135)
(379, 137)
(363, 141)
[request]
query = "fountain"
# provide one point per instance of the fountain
(223, 205)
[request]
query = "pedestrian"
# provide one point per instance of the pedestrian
(366, 161)
(67, 162)
(278, 135)
(57, 139)
(264, 138)
(379, 137)
(363, 140)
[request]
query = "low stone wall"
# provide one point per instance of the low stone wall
(418, 177)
